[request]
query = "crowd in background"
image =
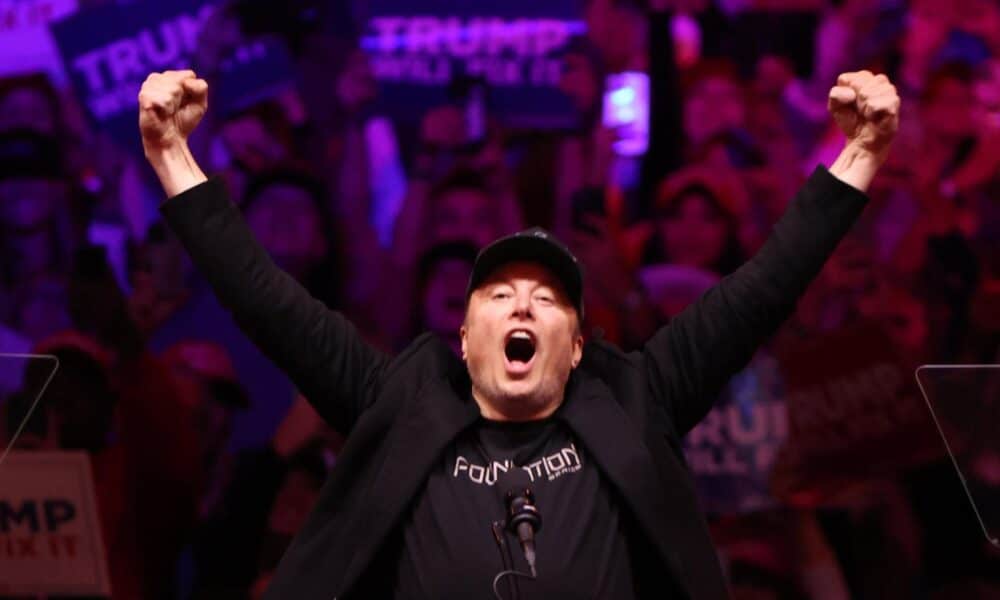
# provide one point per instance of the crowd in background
(205, 459)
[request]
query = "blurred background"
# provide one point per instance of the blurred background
(374, 146)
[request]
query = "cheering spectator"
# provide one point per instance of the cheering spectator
(30, 102)
(215, 397)
(37, 232)
(699, 222)
(442, 275)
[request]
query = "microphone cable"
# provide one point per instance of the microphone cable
(509, 572)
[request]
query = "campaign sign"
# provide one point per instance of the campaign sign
(110, 50)
(516, 47)
(732, 450)
(50, 535)
(854, 412)
(24, 36)
(256, 70)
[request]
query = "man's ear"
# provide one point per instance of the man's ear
(463, 332)
(577, 350)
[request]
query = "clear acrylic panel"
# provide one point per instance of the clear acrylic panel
(23, 381)
(964, 401)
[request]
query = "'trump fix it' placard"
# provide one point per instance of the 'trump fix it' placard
(50, 536)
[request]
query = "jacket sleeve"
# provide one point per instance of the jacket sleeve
(318, 348)
(690, 359)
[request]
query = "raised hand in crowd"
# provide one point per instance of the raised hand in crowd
(615, 287)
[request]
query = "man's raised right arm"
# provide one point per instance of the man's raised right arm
(318, 348)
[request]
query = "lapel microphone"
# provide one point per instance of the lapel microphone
(523, 518)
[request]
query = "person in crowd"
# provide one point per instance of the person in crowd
(30, 102)
(78, 405)
(618, 31)
(440, 291)
(161, 489)
(459, 193)
(159, 278)
(215, 397)
(38, 233)
(461, 209)
(122, 412)
(170, 305)
(698, 221)
(937, 32)
(264, 502)
(715, 115)
(251, 142)
(35, 196)
(286, 210)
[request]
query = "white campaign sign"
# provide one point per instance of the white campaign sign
(25, 38)
(50, 534)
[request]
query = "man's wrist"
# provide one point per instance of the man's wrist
(857, 166)
(176, 168)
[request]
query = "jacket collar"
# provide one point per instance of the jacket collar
(616, 445)
(441, 409)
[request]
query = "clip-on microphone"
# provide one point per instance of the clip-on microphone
(523, 518)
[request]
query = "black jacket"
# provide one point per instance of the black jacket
(628, 410)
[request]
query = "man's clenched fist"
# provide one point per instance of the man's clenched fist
(171, 104)
(866, 107)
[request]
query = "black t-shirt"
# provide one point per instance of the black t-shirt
(448, 545)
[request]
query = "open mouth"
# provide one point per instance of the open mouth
(519, 348)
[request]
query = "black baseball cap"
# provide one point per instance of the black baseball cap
(531, 245)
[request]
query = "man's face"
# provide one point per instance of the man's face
(521, 339)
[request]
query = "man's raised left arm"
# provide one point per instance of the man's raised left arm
(690, 359)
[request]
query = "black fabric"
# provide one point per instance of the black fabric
(666, 116)
(400, 415)
(449, 549)
(227, 544)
